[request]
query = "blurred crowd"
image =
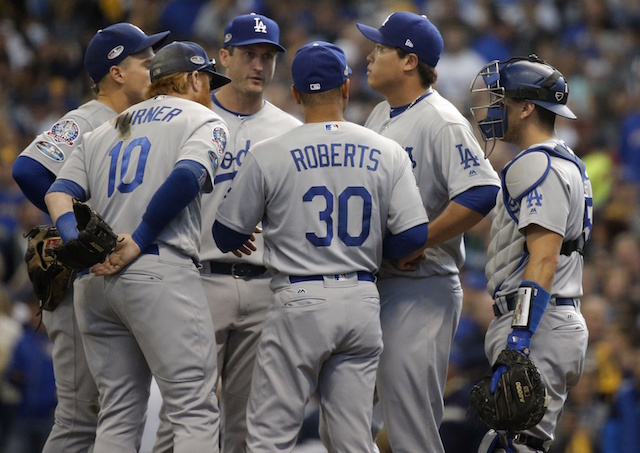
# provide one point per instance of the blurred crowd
(594, 43)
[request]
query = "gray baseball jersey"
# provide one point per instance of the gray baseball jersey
(244, 131)
(52, 147)
(238, 305)
(326, 194)
(76, 414)
(152, 310)
(552, 205)
(302, 199)
(558, 203)
(421, 309)
(118, 181)
(447, 160)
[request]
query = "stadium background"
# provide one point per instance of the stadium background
(594, 43)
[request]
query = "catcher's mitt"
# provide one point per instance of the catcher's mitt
(520, 399)
(95, 240)
(50, 279)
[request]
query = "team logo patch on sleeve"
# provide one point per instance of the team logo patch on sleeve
(64, 131)
(219, 138)
(50, 150)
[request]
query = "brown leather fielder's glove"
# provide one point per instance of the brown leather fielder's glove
(520, 398)
(50, 279)
(95, 241)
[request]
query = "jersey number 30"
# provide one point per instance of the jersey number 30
(126, 187)
(343, 205)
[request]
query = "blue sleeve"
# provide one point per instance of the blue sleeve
(226, 238)
(481, 199)
(395, 246)
(175, 194)
(34, 179)
(69, 187)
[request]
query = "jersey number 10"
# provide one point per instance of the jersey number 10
(126, 187)
(343, 205)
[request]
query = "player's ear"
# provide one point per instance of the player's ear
(223, 57)
(193, 79)
(296, 95)
(345, 89)
(412, 61)
(116, 73)
(526, 109)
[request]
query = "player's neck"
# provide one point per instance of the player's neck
(117, 103)
(533, 135)
(323, 114)
(405, 96)
(234, 101)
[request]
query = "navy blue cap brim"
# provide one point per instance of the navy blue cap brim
(217, 79)
(152, 41)
(248, 42)
(375, 35)
(558, 109)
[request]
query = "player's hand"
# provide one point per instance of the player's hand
(126, 251)
(412, 261)
(249, 246)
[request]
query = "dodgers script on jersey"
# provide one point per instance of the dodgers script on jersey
(318, 205)
(53, 147)
(111, 165)
(244, 132)
(551, 205)
(455, 164)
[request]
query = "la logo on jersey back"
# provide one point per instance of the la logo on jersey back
(259, 27)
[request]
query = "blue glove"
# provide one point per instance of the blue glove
(519, 340)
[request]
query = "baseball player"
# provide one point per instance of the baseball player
(140, 314)
(421, 307)
(542, 221)
(238, 289)
(327, 192)
(117, 59)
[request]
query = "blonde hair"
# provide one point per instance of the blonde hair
(173, 83)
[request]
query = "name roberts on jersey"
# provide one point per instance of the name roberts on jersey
(335, 155)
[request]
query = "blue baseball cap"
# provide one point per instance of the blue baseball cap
(319, 66)
(113, 44)
(410, 32)
(185, 56)
(252, 29)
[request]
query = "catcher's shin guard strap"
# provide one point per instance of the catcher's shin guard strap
(530, 306)
(530, 441)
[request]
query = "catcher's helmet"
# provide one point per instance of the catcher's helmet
(528, 78)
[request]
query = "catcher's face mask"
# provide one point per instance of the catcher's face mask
(489, 111)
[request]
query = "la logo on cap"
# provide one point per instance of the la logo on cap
(259, 27)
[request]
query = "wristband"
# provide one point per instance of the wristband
(67, 226)
(530, 306)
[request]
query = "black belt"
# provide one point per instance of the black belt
(363, 276)
(511, 300)
(238, 270)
